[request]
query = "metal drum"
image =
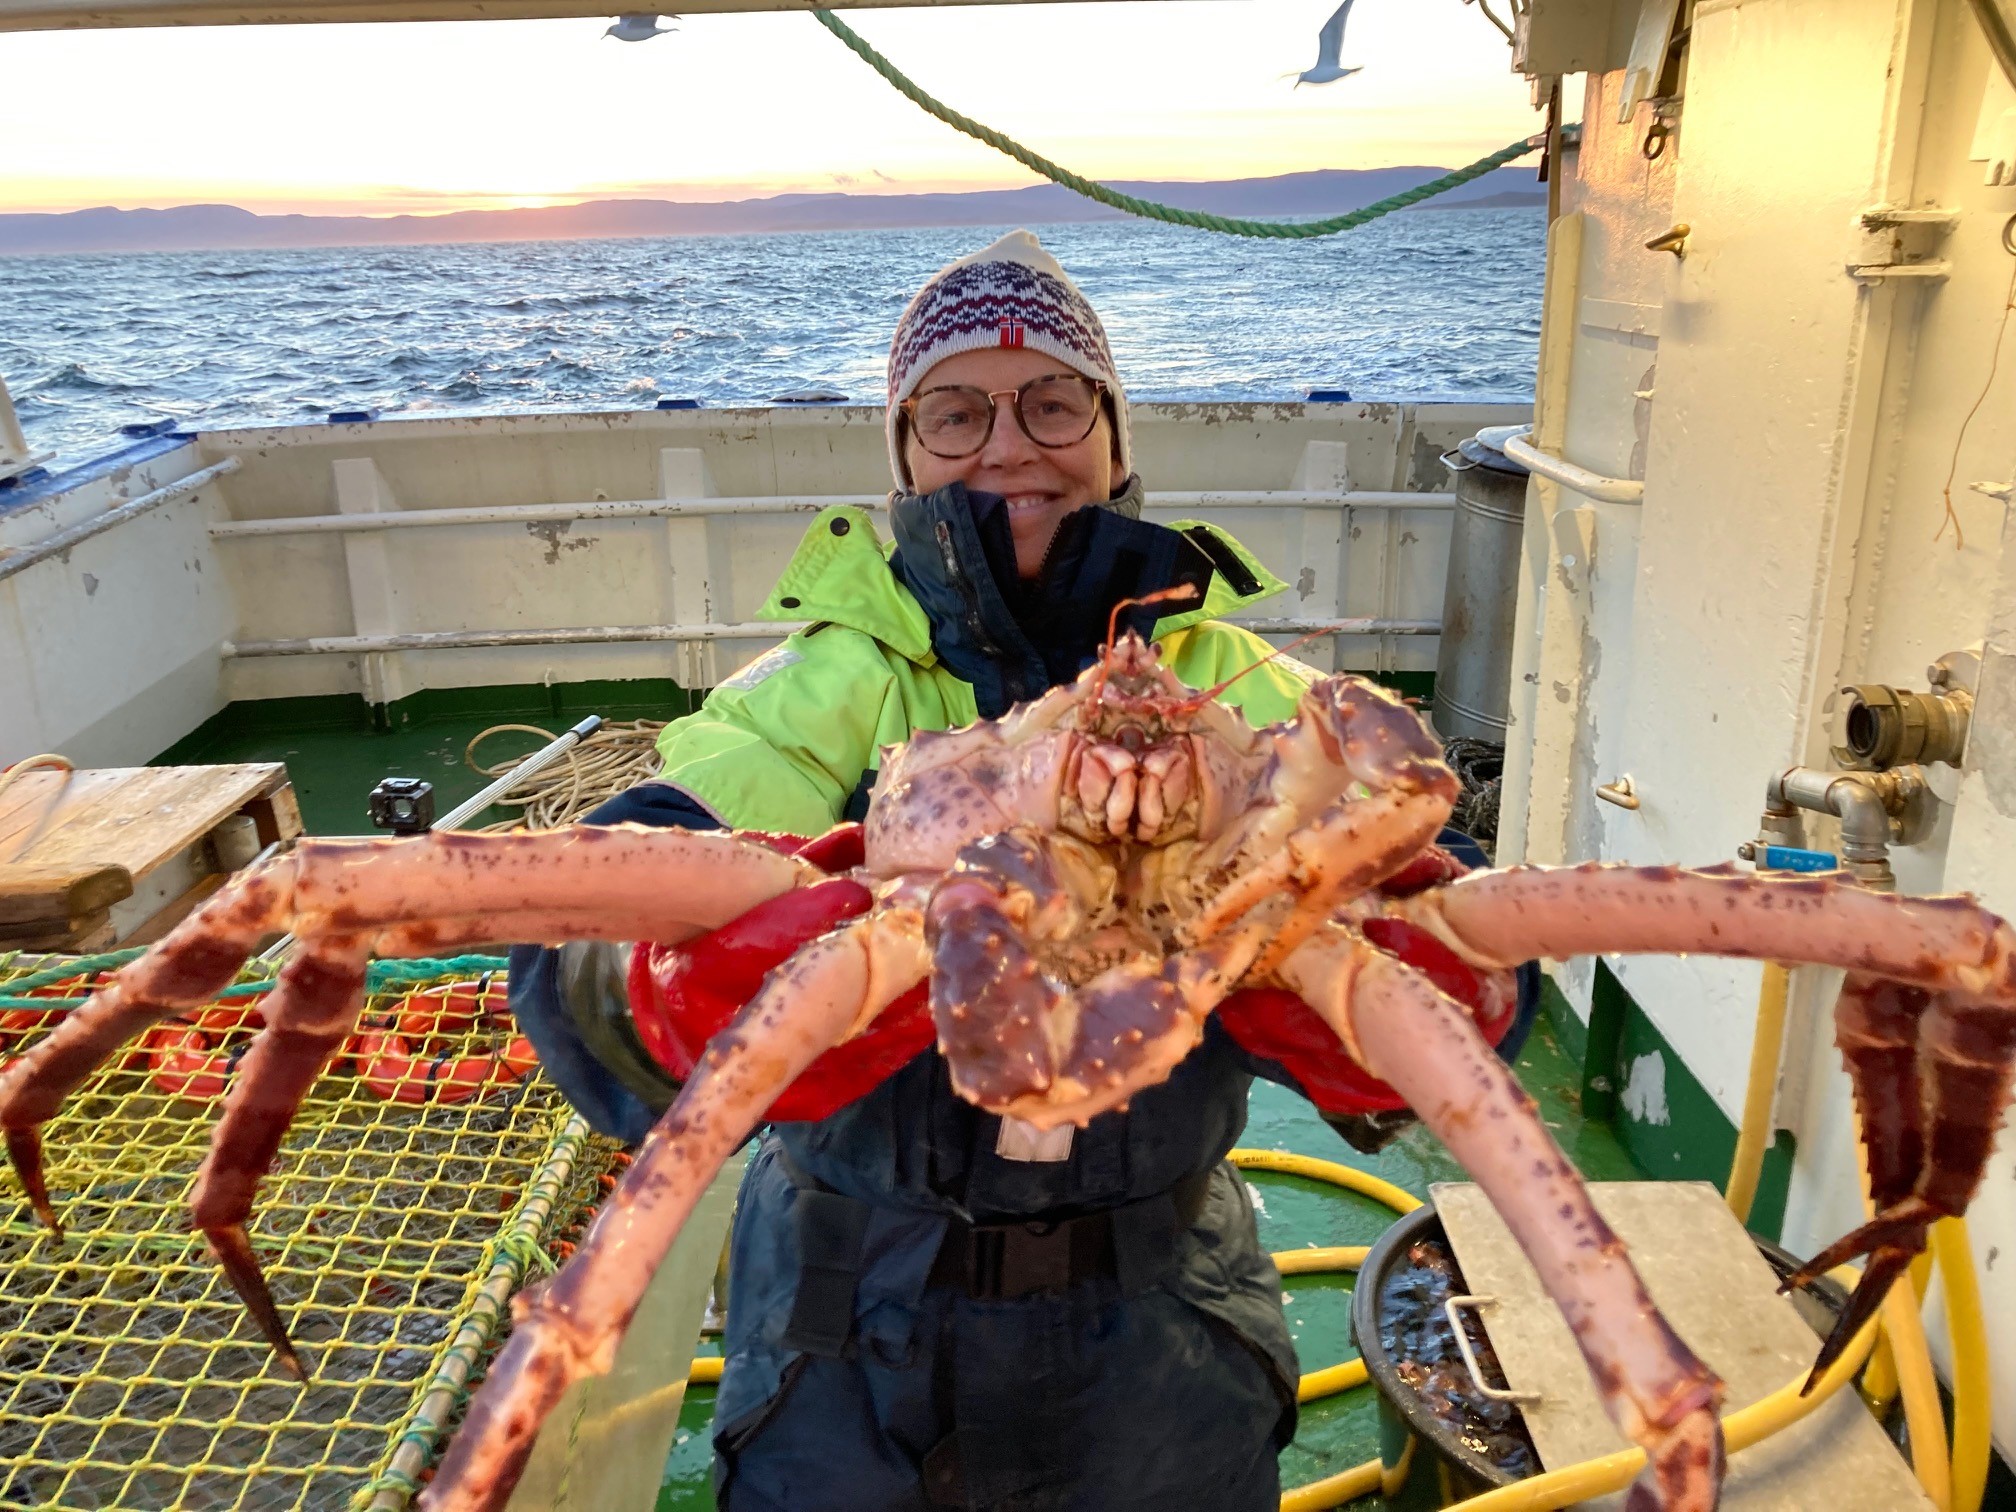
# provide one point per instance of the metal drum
(1473, 668)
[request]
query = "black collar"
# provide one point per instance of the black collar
(1013, 639)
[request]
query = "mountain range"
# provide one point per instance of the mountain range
(189, 228)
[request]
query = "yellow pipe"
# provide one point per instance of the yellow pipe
(1301, 1262)
(1348, 1177)
(1330, 1381)
(1972, 1388)
(1613, 1472)
(1334, 1490)
(1767, 1043)
(1920, 1389)
(1879, 1381)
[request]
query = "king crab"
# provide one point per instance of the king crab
(1081, 883)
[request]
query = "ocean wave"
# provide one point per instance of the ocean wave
(76, 378)
(1415, 306)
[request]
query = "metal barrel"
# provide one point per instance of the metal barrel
(1473, 665)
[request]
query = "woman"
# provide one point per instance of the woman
(931, 1306)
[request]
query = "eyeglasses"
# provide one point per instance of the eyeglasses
(956, 421)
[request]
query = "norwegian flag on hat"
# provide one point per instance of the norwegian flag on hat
(1011, 294)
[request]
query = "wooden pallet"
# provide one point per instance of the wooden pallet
(118, 856)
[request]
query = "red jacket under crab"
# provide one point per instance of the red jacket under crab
(683, 995)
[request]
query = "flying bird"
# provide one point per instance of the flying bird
(643, 26)
(1329, 47)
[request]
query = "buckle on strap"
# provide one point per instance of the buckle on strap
(1020, 1259)
(1134, 1244)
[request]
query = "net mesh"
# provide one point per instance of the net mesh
(129, 1374)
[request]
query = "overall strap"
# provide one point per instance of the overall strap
(832, 1232)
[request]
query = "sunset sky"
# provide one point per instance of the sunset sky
(432, 116)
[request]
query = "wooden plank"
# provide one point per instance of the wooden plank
(91, 932)
(44, 892)
(135, 817)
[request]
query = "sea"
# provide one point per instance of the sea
(1428, 304)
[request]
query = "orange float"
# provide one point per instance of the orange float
(195, 1056)
(420, 1059)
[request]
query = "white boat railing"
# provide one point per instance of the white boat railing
(705, 507)
(605, 635)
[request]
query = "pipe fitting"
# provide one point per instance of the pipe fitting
(1876, 810)
(1887, 727)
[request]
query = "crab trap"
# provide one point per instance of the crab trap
(430, 1173)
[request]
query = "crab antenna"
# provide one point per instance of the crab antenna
(1160, 596)
(1198, 700)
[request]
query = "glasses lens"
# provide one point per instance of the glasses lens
(952, 422)
(1059, 411)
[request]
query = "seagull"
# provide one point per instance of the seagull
(643, 26)
(1329, 46)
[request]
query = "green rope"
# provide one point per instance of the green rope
(1200, 219)
(380, 975)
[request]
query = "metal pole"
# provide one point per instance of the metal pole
(459, 815)
(537, 762)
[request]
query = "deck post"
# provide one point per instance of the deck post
(696, 595)
(374, 595)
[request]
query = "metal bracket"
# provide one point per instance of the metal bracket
(1891, 241)
(1620, 792)
(1496, 1393)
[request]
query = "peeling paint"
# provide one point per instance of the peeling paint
(1644, 1095)
(1305, 582)
(90, 584)
(550, 531)
(1563, 693)
(1991, 741)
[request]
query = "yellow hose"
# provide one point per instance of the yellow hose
(1334, 1490)
(1920, 1389)
(1879, 1381)
(1972, 1390)
(1613, 1472)
(1348, 1177)
(1767, 1045)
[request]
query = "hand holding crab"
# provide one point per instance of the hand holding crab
(1081, 884)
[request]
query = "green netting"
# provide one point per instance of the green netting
(393, 1225)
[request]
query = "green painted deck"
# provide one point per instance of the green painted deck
(337, 750)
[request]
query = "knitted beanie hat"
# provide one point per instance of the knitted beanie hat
(1012, 294)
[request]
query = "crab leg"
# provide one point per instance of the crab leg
(1927, 1019)
(309, 1014)
(196, 962)
(569, 1328)
(611, 883)
(1396, 1024)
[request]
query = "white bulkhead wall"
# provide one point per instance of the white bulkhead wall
(1794, 448)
